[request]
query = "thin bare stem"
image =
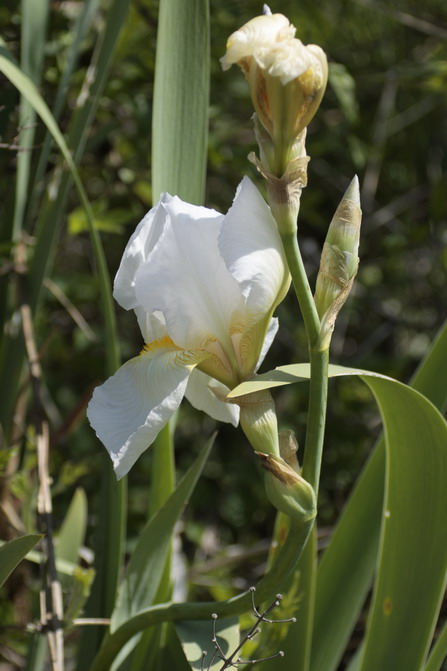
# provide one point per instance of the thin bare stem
(51, 607)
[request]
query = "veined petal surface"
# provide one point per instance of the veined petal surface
(251, 247)
(185, 278)
(204, 393)
(131, 407)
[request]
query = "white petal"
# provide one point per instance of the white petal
(251, 247)
(152, 325)
(137, 250)
(186, 279)
(261, 31)
(131, 407)
(287, 60)
(204, 393)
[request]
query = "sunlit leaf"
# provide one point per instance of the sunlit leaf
(196, 637)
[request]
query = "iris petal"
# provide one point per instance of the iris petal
(204, 393)
(131, 407)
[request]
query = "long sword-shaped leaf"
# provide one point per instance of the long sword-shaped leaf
(413, 548)
(347, 577)
(181, 92)
(146, 565)
(346, 571)
(178, 166)
(12, 553)
(34, 24)
(439, 653)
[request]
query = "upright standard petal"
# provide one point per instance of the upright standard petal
(137, 250)
(252, 250)
(131, 407)
(186, 279)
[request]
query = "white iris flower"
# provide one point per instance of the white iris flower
(204, 287)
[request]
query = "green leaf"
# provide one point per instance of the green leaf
(196, 637)
(146, 565)
(72, 532)
(294, 372)
(12, 553)
(34, 15)
(346, 570)
(409, 574)
(439, 652)
(181, 94)
(413, 546)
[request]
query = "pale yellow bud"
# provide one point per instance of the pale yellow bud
(286, 78)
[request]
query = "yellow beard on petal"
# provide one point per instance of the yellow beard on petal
(162, 343)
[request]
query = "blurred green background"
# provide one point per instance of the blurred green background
(383, 117)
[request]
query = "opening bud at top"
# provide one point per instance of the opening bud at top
(339, 261)
(286, 78)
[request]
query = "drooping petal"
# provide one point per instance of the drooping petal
(251, 247)
(204, 393)
(131, 407)
(186, 278)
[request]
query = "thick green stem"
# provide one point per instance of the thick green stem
(314, 435)
(301, 286)
(316, 417)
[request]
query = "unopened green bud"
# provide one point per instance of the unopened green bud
(287, 490)
(339, 261)
(258, 421)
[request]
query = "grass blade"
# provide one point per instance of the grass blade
(12, 553)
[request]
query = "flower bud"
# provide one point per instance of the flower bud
(287, 79)
(339, 261)
(287, 490)
(258, 421)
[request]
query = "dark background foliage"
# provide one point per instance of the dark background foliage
(383, 117)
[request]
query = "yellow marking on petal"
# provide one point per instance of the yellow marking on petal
(161, 343)
(187, 358)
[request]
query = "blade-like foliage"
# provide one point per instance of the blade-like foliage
(12, 553)
(413, 548)
(146, 565)
(180, 113)
(196, 638)
(356, 569)
(346, 570)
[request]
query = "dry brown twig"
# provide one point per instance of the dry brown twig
(51, 606)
